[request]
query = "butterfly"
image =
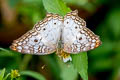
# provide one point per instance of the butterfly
(67, 34)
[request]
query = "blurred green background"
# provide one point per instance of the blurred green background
(101, 16)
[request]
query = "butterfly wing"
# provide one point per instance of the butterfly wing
(42, 39)
(76, 36)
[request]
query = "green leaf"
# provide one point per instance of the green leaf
(6, 52)
(2, 72)
(80, 62)
(5, 78)
(68, 72)
(56, 6)
(33, 74)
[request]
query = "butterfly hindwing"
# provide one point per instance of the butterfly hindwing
(42, 39)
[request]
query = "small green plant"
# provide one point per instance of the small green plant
(14, 74)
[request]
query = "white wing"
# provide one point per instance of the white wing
(76, 36)
(42, 39)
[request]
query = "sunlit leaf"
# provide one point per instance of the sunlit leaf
(56, 6)
(68, 72)
(2, 72)
(80, 62)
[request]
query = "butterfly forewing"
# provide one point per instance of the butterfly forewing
(42, 39)
(76, 36)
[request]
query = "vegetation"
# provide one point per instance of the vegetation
(101, 16)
